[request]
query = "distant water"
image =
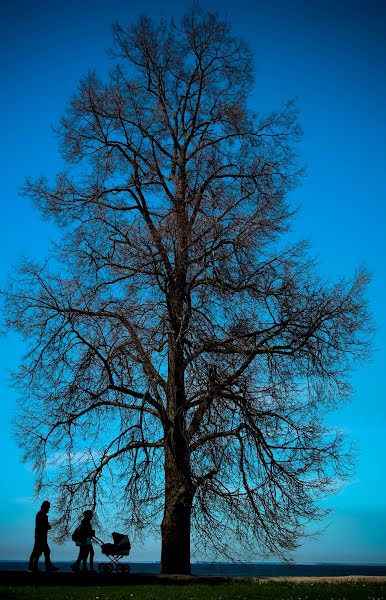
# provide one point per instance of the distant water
(241, 569)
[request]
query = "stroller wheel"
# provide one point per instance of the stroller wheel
(105, 568)
(122, 568)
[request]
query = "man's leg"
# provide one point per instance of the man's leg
(35, 555)
(31, 564)
(47, 556)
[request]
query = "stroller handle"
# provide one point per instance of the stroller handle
(96, 539)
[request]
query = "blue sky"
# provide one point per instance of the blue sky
(331, 55)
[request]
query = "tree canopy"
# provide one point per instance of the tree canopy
(182, 353)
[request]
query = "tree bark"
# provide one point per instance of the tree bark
(179, 490)
(175, 527)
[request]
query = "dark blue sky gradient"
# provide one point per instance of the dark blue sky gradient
(331, 55)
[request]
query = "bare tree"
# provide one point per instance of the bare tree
(180, 358)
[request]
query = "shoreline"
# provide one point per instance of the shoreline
(23, 578)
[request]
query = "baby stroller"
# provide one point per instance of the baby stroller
(116, 551)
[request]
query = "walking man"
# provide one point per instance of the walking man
(41, 544)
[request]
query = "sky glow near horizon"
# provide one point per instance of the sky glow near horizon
(331, 55)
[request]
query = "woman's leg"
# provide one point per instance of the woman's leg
(91, 553)
(75, 566)
(85, 551)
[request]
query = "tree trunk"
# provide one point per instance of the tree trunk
(175, 528)
(179, 490)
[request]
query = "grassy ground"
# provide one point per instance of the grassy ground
(232, 591)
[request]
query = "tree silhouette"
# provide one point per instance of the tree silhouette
(181, 358)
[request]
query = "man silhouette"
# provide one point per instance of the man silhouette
(41, 545)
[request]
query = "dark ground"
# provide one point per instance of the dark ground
(24, 578)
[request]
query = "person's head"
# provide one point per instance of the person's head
(88, 514)
(45, 507)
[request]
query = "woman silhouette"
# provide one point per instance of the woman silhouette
(84, 536)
